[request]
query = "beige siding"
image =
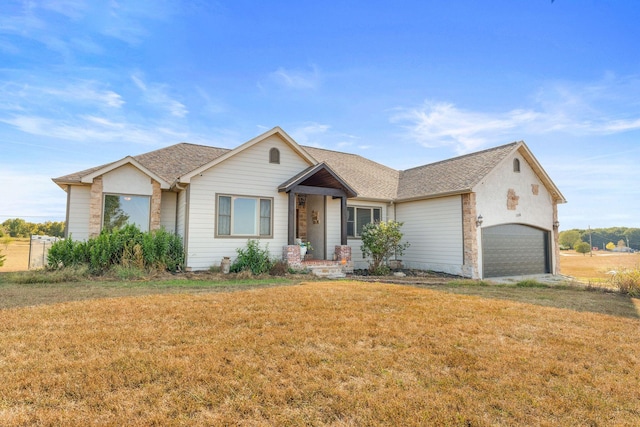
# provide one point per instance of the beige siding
(181, 215)
(168, 211)
(248, 173)
(356, 253)
(333, 225)
(434, 230)
(127, 179)
(78, 226)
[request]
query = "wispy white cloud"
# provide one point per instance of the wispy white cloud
(296, 79)
(605, 108)
(22, 94)
(157, 96)
(439, 124)
(92, 129)
(57, 23)
(310, 134)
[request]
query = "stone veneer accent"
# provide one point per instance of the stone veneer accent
(95, 207)
(512, 199)
(156, 198)
(469, 236)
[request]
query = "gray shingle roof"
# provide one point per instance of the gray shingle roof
(456, 175)
(168, 163)
(369, 179)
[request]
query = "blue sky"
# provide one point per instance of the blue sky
(405, 83)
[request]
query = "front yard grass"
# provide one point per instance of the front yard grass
(322, 353)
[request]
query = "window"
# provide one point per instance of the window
(516, 165)
(121, 209)
(274, 155)
(244, 216)
(358, 217)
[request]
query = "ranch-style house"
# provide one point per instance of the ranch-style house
(486, 214)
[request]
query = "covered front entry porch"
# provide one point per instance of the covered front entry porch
(317, 216)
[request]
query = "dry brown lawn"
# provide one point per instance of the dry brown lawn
(323, 353)
(596, 268)
(17, 255)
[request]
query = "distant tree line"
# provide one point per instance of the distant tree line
(18, 227)
(601, 237)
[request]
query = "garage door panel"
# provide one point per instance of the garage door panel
(514, 249)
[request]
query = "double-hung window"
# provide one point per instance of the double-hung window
(358, 217)
(244, 216)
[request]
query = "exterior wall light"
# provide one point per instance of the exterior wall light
(556, 224)
(479, 221)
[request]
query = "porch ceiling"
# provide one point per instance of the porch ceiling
(319, 176)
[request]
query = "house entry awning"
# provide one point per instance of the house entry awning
(318, 179)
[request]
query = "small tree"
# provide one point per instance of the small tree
(582, 247)
(381, 240)
(610, 246)
(569, 238)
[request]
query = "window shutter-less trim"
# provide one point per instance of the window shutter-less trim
(244, 216)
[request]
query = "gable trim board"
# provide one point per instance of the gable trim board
(438, 203)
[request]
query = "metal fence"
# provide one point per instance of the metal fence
(39, 249)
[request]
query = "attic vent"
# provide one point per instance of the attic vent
(274, 156)
(516, 165)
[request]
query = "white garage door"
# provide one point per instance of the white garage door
(514, 250)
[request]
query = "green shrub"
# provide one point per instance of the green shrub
(381, 240)
(627, 281)
(380, 270)
(252, 258)
(127, 247)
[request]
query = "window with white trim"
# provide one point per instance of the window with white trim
(358, 217)
(244, 216)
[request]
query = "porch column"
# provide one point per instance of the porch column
(343, 220)
(291, 238)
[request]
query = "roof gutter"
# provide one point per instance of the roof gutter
(434, 196)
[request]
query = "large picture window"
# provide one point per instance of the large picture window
(358, 217)
(121, 209)
(244, 216)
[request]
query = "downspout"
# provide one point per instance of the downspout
(66, 217)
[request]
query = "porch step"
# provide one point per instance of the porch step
(328, 269)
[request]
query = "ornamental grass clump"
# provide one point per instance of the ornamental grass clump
(627, 281)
